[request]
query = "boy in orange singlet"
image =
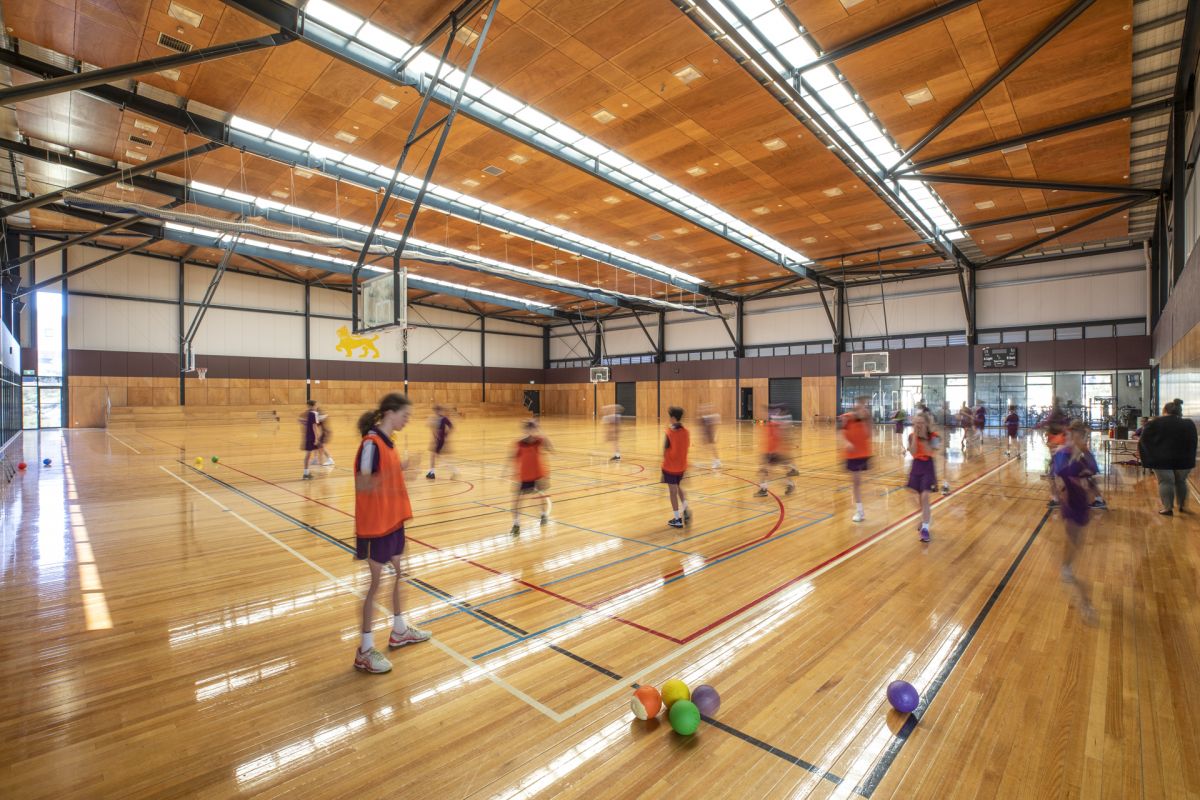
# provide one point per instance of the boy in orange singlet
(774, 449)
(532, 475)
(674, 465)
(855, 425)
(381, 507)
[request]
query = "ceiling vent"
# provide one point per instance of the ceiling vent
(141, 141)
(493, 171)
(171, 43)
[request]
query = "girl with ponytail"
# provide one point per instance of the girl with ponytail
(381, 508)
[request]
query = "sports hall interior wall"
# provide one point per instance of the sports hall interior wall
(1177, 339)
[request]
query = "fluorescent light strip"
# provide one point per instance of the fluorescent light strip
(415, 243)
(546, 129)
(849, 115)
(321, 152)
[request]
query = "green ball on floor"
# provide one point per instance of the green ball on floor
(685, 717)
(214, 459)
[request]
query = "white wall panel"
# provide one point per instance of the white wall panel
(95, 323)
(245, 333)
(692, 332)
(513, 351)
(327, 334)
(328, 301)
(245, 291)
(565, 343)
(1110, 286)
(135, 275)
(624, 337)
(921, 306)
(787, 319)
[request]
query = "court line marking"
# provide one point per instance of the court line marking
(721, 628)
(871, 782)
(122, 441)
(347, 586)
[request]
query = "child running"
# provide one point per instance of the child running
(980, 423)
(966, 421)
(775, 450)
(532, 475)
(612, 428)
(381, 507)
(709, 421)
(922, 477)
(855, 425)
(326, 436)
(1012, 426)
(310, 422)
(674, 465)
(441, 425)
(1073, 470)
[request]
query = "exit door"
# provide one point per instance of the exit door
(533, 401)
(627, 398)
(747, 404)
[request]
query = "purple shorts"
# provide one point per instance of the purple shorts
(922, 477)
(538, 485)
(858, 464)
(380, 549)
(438, 443)
(672, 478)
(773, 458)
(1012, 431)
(1076, 514)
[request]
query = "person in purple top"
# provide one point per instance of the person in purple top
(441, 425)
(310, 422)
(1012, 426)
(980, 421)
(1073, 472)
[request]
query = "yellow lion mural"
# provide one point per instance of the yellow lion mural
(348, 343)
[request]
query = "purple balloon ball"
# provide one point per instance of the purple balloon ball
(706, 699)
(903, 696)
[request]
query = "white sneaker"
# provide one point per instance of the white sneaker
(717, 464)
(328, 463)
(371, 661)
(858, 516)
(410, 635)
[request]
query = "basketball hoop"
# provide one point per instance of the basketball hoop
(201, 372)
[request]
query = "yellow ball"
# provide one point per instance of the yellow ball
(199, 461)
(673, 691)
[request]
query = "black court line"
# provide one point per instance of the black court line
(491, 619)
(876, 776)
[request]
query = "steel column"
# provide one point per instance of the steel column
(179, 316)
(307, 342)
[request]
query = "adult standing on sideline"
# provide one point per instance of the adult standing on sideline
(1168, 446)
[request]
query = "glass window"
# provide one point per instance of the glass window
(1074, 332)
(937, 341)
(956, 339)
(1014, 336)
(911, 342)
(1131, 329)
(873, 344)
(989, 338)
(1098, 331)
(1041, 335)
(897, 344)
(49, 333)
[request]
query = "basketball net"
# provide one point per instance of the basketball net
(201, 372)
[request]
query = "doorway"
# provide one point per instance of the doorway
(627, 398)
(746, 408)
(42, 396)
(785, 392)
(533, 401)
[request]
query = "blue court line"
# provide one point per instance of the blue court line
(680, 577)
(581, 573)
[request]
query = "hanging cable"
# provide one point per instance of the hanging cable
(882, 301)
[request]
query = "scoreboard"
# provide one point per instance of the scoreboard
(994, 357)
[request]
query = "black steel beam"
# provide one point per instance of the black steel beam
(80, 239)
(893, 30)
(84, 80)
(454, 20)
(987, 223)
(1010, 183)
(1064, 231)
(104, 180)
(761, 292)
(991, 83)
(1132, 112)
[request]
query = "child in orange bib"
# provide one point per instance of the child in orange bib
(532, 475)
(674, 465)
(381, 507)
(855, 425)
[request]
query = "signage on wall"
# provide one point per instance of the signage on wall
(994, 357)
(349, 344)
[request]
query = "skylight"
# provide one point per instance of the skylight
(512, 115)
(848, 114)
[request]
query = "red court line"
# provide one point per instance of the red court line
(856, 546)
(518, 581)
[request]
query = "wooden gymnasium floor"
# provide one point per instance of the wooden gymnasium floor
(174, 632)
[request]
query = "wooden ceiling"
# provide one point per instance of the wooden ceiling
(572, 58)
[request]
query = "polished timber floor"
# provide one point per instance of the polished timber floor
(171, 630)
